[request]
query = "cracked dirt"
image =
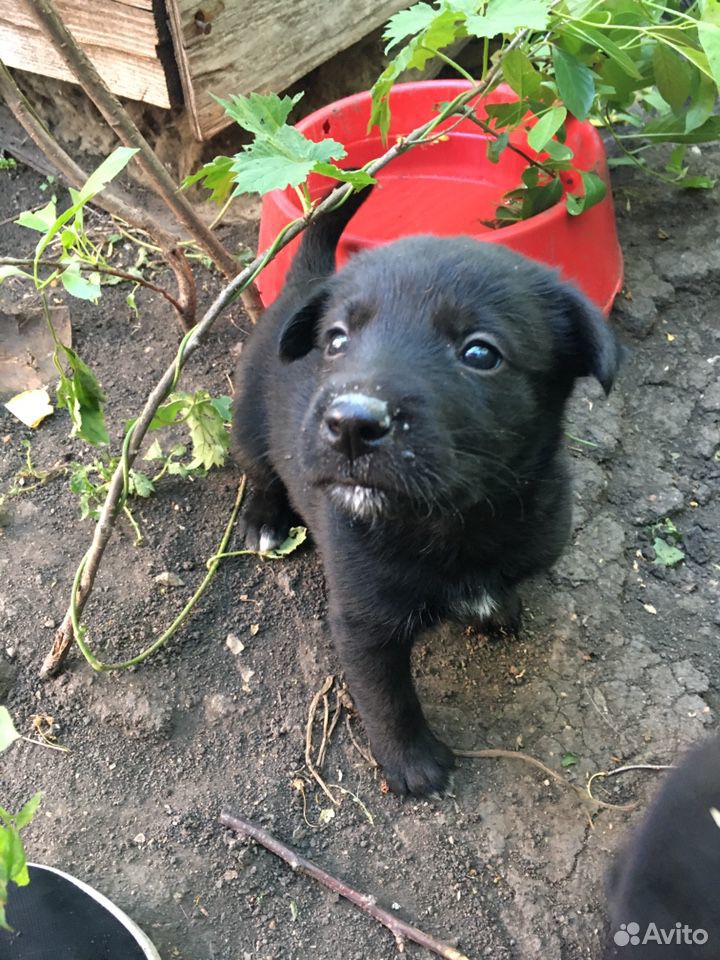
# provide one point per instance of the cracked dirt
(619, 661)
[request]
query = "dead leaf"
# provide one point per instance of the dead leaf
(31, 406)
(169, 579)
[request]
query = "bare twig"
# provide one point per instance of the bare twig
(548, 771)
(309, 763)
(400, 930)
(108, 271)
(76, 177)
(194, 340)
(367, 757)
(119, 119)
(486, 128)
(627, 769)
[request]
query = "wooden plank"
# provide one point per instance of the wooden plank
(119, 37)
(260, 45)
(109, 24)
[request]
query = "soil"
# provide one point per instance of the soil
(618, 663)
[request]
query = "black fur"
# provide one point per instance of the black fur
(461, 491)
(669, 874)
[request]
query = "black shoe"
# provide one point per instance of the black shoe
(56, 917)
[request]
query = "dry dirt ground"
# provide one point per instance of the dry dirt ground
(619, 661)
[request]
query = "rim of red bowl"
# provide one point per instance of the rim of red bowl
(286, 202)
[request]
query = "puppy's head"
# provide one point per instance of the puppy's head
(441, 368)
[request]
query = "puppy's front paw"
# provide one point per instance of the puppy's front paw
(420, 768)
(265, 521)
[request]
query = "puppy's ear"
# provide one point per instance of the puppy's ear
(297, 335)
(588, 344)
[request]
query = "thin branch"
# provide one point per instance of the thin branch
(120, 121)
(548, 771)
(76, 177)
(108, 271)
(322, 692)
(400, 930)
(486, 128)
(194, 340)
(626, 769)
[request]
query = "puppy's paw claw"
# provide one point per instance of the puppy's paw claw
(265, 523)
(421, 769)
(270, 538)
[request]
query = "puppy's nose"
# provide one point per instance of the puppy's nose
(355, 424)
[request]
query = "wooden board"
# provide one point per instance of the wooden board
(235, 46)
(119, 36)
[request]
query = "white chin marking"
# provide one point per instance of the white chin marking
(479, 608)
(365, 503)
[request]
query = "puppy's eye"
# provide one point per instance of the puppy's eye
(481, 355)
(336, 342)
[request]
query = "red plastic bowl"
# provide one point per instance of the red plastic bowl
(449, 187)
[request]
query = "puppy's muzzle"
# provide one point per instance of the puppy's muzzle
(355, 424)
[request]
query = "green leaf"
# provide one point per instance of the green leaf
(358, 178)
(223, 405)
(568, 759)
(8, 733)
(445, 28)
(408, 23)
(507, 16)
(216, 176)
(709, 35)
(699, 182)
(558, 151)
(107, 171)
(95, 183)
(546, 127)
(672, 76)
(520, 74)
(11, 271)
(671, 129)
(140, 485)
(261, 114)
(40, 220)
(167, 412)
(83, 398)
(210, 439)
(506, 114)
(539, 198)
(702, 102)
(496, 147)
(597, 40)
(296, 536)
(594, 190)
(154, 451)
(576, 83)
(77, 285)
(285, 160)
(666, 554)
(27, 812)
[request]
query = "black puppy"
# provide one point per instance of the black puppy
(409, 408)
(665, 886)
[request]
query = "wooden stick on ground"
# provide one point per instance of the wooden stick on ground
(401, 930)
